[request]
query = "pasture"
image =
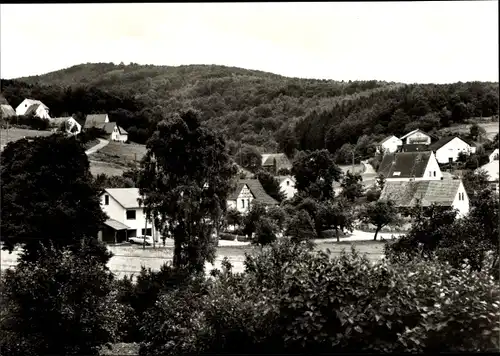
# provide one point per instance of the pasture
(128, 259)
(14, 134)
(115, 158)
(491, 129)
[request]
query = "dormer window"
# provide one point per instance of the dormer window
(396, 173)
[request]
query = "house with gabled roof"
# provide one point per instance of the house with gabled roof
(95, 121)
(248, 191)
(492, 170)
(287, 186)
(416, 137)
(493, 156)
(33, 107)
(115, 132)
(389, 144)
(405, 166)
(274, 162)
(7, 111)
(445, 193)
(448, 148)
(126, 215)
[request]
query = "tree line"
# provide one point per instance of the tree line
(437, 291)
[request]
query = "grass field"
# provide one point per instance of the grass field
(15, 134)
(116, 157)
(491, 129)
(128, 259)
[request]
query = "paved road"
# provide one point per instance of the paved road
(102, 143)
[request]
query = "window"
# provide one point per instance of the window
(131, 233)
(243, 203)
(106, 200)
(396, 173)
(434, 173)
(430, 174)
(146, 232)
(287, 182)
(130, 214)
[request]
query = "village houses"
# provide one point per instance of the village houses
(492, 170)
(126, 215)
(33, 107)
(447, 149)
(274, 162)
(416, 137)
(248, 191)
(101, 121)
(445, 193)
(406, 166)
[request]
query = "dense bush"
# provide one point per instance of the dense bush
(61, 304)
(292, 300)
(29, 121)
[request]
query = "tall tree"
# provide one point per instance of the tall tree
(315, 173)
(271, 185)
(185, 179)
(380, 214)
(48, 195)
(352, 188)
(301, 227)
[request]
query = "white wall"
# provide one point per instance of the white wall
(391, 145)
(117, 212)
(418, 136)
(432, 166)
(494, 155)
(42, 112)
(21, 108)
(451, 150)
(288, 187)
(462, 206)
(242, 204)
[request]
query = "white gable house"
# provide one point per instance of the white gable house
(33, 107)
(389, 145)
(287, 185)
(447, 149)
(494, 155)
(126, 215)
(416, 137)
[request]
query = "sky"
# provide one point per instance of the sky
(410, 42)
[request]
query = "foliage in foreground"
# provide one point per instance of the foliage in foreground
(61, 304)
(294, 300)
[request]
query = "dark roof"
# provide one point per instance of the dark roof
(409, 164)
(414, 147)
(406, 194)
(109, 126)
(443, 141)
(115, 225)
(7, 110)
(122, 131)
(3, 101)
(95, 120)
(32, 109)
(256, 189)
(282, 160)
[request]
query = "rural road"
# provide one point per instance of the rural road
(102, 143)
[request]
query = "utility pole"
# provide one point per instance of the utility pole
(352, 161)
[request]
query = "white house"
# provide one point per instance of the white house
(287, 185)
(246, 192)
(126, 216)
(115, 132)
(492, 169)
(446, 193)
(406, 166)
(389, 145)
(416, 137)
(447, 149)
(494, 155)
(33, 107)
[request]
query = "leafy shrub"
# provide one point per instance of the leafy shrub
(294, 300)
(60, 304)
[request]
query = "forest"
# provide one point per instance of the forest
(263, 111)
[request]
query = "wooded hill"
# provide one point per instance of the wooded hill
(272, 112)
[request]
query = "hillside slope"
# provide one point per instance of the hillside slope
(263, 109)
